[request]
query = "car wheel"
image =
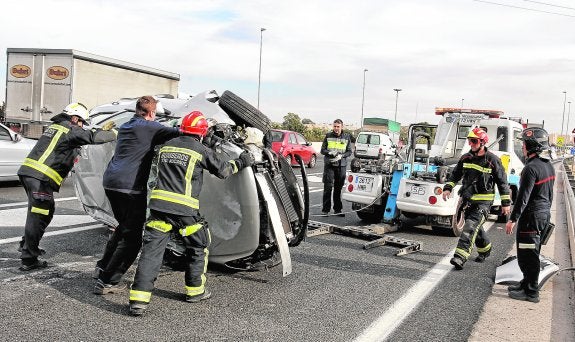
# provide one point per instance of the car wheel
(244, 113)
(372, 217)
(312, 161)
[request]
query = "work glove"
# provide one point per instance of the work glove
(109, 125)
(332, 153)
(247, 159)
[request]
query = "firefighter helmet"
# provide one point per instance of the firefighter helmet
(194, 123)
(79, 110)
(536, 139)
(478, 133)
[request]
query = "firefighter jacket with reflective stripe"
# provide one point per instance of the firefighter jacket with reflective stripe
(535, 188)
(129, 169)
(334, 143)
(181, 165)
(53, 156)
(478, 175)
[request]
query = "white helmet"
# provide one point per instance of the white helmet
(79, 110)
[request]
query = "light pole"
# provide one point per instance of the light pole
(563, 118)
(567, 126)
(260, 69)
(396, 97)
(362, 97)
(462, 103)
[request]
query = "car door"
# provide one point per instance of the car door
(293, 148)
(304, 150)
(13, 152)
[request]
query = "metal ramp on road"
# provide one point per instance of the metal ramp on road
(376, 233)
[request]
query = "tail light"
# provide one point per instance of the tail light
(432, 199)
(438, 191)
(350, 188)
(350, 179)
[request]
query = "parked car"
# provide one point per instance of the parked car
(290, 144)
(254, 216)
(14, 148)
(374, 145)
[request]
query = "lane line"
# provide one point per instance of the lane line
(58, 232)
(391, 319)
(26, 203)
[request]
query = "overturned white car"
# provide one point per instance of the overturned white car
(254, 216)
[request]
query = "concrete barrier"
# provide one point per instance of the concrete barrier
(569, 204)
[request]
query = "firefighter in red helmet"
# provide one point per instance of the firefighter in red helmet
(479, 170)
(174, 208)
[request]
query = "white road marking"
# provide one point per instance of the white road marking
(26, 203)
(58, 232)
(17, 218)
(387, 323)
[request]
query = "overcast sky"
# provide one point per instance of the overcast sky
(315, 52)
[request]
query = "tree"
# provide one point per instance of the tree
(292, 122)
(307, 122)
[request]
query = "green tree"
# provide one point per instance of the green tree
(307, 122)
(292, 122)
(314, 134)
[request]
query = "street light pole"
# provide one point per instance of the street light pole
(563, 119)
(362, 97)
(396, 97)
(567, 132)
(260, 68)
(462, 103)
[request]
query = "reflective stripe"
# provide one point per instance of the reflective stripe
(194, 291)
(43, 168)
(175, 198)
(483, 197)
(476, 167)
(462, 252)
(40, 211)
(526, 246)
(191, 153)
(196, 119)
(189, 230)
(61, 130)
(140, 296)
(234, 166)
(466, 253)
(450, 184)
(505, 197)
(336, 144)
(194, 157)
(159, 225)
(484, 249)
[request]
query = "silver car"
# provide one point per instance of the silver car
(254, 216)
(13, 149)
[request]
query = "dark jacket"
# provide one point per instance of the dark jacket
(53, 156)
(129, 169)
(535, 188)
(341, 144)
(479, 174)
(181, 165)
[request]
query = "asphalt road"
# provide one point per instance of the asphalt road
(337, 292)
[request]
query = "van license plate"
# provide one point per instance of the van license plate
(364, 184)
(417, 190)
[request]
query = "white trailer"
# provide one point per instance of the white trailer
(41, 82)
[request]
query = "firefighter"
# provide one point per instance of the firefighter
(532, 212)
(126, 184)
(336, 148)
(174, 208)
(479, 171)
(44, 170)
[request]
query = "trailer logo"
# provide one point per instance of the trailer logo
(57, 72)
(20, 71)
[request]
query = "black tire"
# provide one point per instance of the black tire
(458, 219)
(375, 217)
(243, 113)
(312, 161)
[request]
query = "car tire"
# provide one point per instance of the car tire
(312, 161)
(243, 113)
(375, 217)
(458, 219)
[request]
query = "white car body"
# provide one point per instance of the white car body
(14, 148)
(374, 145)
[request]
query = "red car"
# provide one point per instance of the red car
(289, 144)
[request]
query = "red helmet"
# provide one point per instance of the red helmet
(194, 123)
(478, 133)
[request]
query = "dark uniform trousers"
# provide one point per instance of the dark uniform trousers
(155, 242)
(333, 177)
(528, 241)
(124, 245)
(473, 232)
(41, 209)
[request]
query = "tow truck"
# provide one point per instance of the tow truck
(412, 186)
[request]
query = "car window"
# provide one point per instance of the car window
(361, 139)
(292, 139)
(374, 139)
(4, 134)
(300, 139)
(119, 118)
(276, 136)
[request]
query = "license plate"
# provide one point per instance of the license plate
(417, 190)
(364, 184)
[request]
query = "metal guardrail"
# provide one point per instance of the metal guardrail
(568, 185)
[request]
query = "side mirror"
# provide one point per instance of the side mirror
(17, 137)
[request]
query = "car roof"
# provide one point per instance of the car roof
(284, 131)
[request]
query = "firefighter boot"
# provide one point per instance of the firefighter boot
(198, 298)
(32, 264)
(516, 287)
(521, 295)
(482, 256)
(457, 262)
(137, 308)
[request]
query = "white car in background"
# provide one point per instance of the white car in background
(13, 149)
